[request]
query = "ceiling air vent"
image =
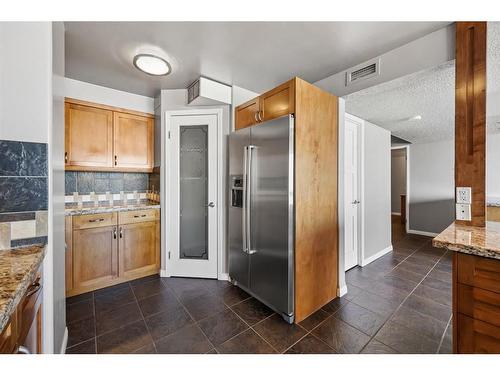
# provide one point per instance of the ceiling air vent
(369, 70)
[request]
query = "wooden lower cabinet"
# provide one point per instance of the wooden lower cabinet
(95, 257)
(23, 332)
(102, 255)
(476, 336)
(139, 249)
(476, 304)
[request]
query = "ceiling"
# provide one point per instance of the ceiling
(253, 55)
(430, 94)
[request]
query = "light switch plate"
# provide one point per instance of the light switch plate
(463, 212)
(464, 195)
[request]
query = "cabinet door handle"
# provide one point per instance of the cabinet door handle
(35, 287)
(121, 232)
(114, 234)
(23, 350)
(66, 157)
(116, 160)
(137, 216)
(260, 114)
(96, 220)
(255, 117)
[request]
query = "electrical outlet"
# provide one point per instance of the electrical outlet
(463, 212)
(464, 195)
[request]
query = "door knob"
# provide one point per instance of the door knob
(355, 202)
(211, 204)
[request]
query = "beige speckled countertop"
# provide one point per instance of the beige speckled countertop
(18, 269)
(481, 241)
(89, 209)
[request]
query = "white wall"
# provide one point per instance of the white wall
(375, 192)
(29, 112)
(426, 52)
(398, 178)
(25, 81)
(493, 167)
(56, 188)
(432, 186)
(104, 95)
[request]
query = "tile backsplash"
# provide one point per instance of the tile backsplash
(101, 182)
(23, 193)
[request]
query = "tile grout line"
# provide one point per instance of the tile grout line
(251, 326)
(444, 333)
(143, 318)
(404, 300)
(192, 318)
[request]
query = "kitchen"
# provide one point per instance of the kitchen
(191, 216)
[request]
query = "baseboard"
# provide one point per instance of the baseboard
(367, 261)
(422, 233)
(64, 343)
(396, 213)
(342, 290)
(163, 273)
(224, 276)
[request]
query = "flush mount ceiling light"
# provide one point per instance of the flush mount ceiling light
(152, 64)
(415, 118)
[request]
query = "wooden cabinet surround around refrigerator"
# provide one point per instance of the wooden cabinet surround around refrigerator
(315, 190)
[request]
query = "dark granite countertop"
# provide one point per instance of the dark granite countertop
(481, 241)
(18, 269)
(104, 207)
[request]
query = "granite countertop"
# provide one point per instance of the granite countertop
(18, 269)
(481, 241)
(104, 207)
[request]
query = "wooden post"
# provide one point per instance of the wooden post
(470, 115)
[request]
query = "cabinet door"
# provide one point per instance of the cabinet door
(33, 340)
(139, 249)
(133, 141)
(68, 238)
(89, 137)
(278, 102)
(245, 114)
(95, 257)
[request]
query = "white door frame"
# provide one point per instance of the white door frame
(407, 218)
(361, 238)
(221, 203)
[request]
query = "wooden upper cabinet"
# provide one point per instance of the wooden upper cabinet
(278, 102)
(104, 138)
(133, 141)
(246, 114)
(89, 137)
(275, 103)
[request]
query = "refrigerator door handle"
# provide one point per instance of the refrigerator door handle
(244, 203)
(249, 200)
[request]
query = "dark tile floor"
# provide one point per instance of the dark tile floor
(398, 304)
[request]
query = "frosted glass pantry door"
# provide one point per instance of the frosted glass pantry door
(193, 190)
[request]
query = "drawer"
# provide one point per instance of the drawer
(139, 216)
(28, 308)
(479, 304)
(8, 337)
(475, 336)
(94, 221)
(479, 272)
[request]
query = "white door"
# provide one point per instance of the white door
(192, 236)
(351, 162)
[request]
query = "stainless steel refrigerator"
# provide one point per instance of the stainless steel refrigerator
(261, 213)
